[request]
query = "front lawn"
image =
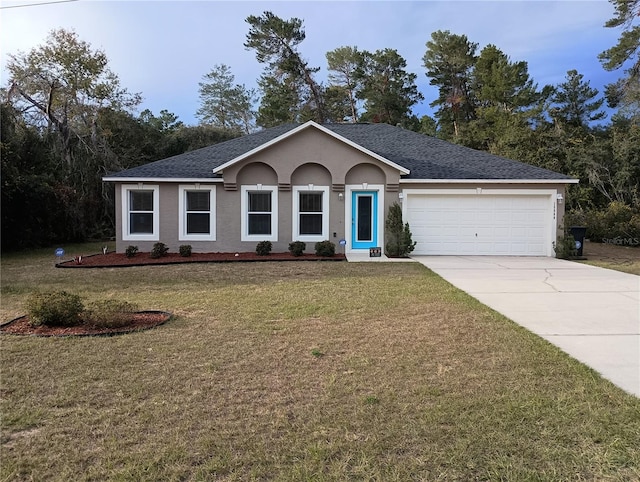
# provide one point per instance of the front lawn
(611, 256)
(299, 371)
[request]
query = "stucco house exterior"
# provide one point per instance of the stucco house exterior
(312, 182)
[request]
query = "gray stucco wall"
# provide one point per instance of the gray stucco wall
(311, 157)
(308, 157)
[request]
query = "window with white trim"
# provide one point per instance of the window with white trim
(259, 206)
(197, 212)
(140, 214)
(310, 213)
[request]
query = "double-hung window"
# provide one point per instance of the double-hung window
(196, 212)
(310, 213)
(259, 206)
(140, 214)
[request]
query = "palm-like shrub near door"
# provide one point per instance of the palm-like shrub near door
(399, 243)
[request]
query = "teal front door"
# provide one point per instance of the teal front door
(364, 219)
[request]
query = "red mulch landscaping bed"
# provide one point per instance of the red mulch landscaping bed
(142, 320)
(115, 260)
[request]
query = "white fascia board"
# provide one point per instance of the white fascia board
(201, 180)
(489, 181)
(306, 125)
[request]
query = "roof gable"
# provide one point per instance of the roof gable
(307, 125)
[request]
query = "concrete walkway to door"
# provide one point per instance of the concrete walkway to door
(591, 313)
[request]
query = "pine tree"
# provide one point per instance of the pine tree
(575, 103)
(625, 92)
(449, 61)
(399, 243)
(388, 90)
(343, 64)
(223, 103)
(275, 42)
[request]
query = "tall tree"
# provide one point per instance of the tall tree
(388, 90)
(62, 85)
(223, 103)
(501, 83)
(506, 100)
(449, 60)
(626, 51)
(337, 104)
(281, 100)
(428, 126)
(575, 102)
(275, 42)
(343, 64)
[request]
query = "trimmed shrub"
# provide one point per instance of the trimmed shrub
(399, 243)
(264, 248)
(131, 251)
(109, 313)
(566, 247)
(185, 250)
(297, 248)
(159, 250)
(55, 308)
(325, 248)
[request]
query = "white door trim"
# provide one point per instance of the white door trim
(348, 190)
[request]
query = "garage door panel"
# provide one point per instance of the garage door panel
(480, 224)
(518, 232)
(483, 232)
(450, 231)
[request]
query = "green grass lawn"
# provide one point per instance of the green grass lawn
(631, 267)
(299, 371)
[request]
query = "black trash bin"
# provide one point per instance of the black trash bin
(578, 233)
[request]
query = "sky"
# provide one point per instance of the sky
(162, 49)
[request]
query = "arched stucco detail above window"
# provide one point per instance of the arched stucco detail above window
(256, 173)
(311, 173)
(365, 172)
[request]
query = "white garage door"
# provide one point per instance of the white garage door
(484, 224)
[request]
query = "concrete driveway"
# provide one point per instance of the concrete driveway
(593, 314)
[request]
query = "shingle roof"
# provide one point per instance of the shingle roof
(426, 157)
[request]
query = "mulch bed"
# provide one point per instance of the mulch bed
(142, 320)
(118, 260)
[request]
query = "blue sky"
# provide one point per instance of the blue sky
(162, 49)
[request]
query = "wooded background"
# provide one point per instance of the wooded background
(67, 121)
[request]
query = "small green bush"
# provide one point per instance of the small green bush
(131, 251)
(297, 248)
(159, 250)
(618, 223)
(399, 241)
(55, 308)
(264, 248)
(185, 250)
(109, 313)
(325, 248)
(566, 247)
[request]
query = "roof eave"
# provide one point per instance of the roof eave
(162, 179)
(489, 181)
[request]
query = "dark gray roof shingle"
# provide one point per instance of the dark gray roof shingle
(426, 157)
